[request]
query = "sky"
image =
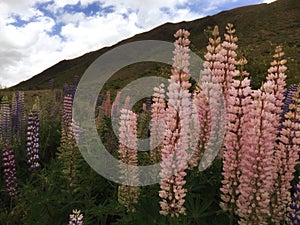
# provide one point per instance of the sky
(36, 34)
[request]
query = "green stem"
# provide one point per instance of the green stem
(47, 139)
(231, 217)
(173, 220)
(11, 204)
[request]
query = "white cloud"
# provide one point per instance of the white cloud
(35, 45)
(71, 18)
(15, 7)
(27, 50)
(149, 13)
(269, 1)
(95, 32)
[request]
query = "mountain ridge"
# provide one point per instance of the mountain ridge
(257, 39)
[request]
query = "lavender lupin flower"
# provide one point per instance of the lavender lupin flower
(18, 115)
(9, 168)
(69, 89)
(76, 218)
(66, 118)
(33, 145)
(72, 89)
(70, 135)
(288, 99)
(5, 120)
(67, 110)
(294, 213)
(14, 112)
(76, 131)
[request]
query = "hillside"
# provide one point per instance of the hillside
(259, 28)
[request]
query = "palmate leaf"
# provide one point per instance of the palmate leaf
(148, 210)
(197, 206)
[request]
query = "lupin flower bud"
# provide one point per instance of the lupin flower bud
(276, 74)
(229, 54)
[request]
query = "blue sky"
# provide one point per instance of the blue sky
(35, 34)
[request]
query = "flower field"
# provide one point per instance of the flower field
(228, 153)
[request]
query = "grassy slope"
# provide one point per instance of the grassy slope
(259, 28)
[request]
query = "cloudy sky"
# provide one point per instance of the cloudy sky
(35, 34)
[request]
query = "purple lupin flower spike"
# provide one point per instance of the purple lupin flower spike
(67, 110)
(288, 99)
(69, 89)
(294, 213)
(18, 115)
(66, 117)
(5, 120)
(14, 114)
(21, 113)
(72, 89)
(33, 137)
(9, 168)
(76, 131)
